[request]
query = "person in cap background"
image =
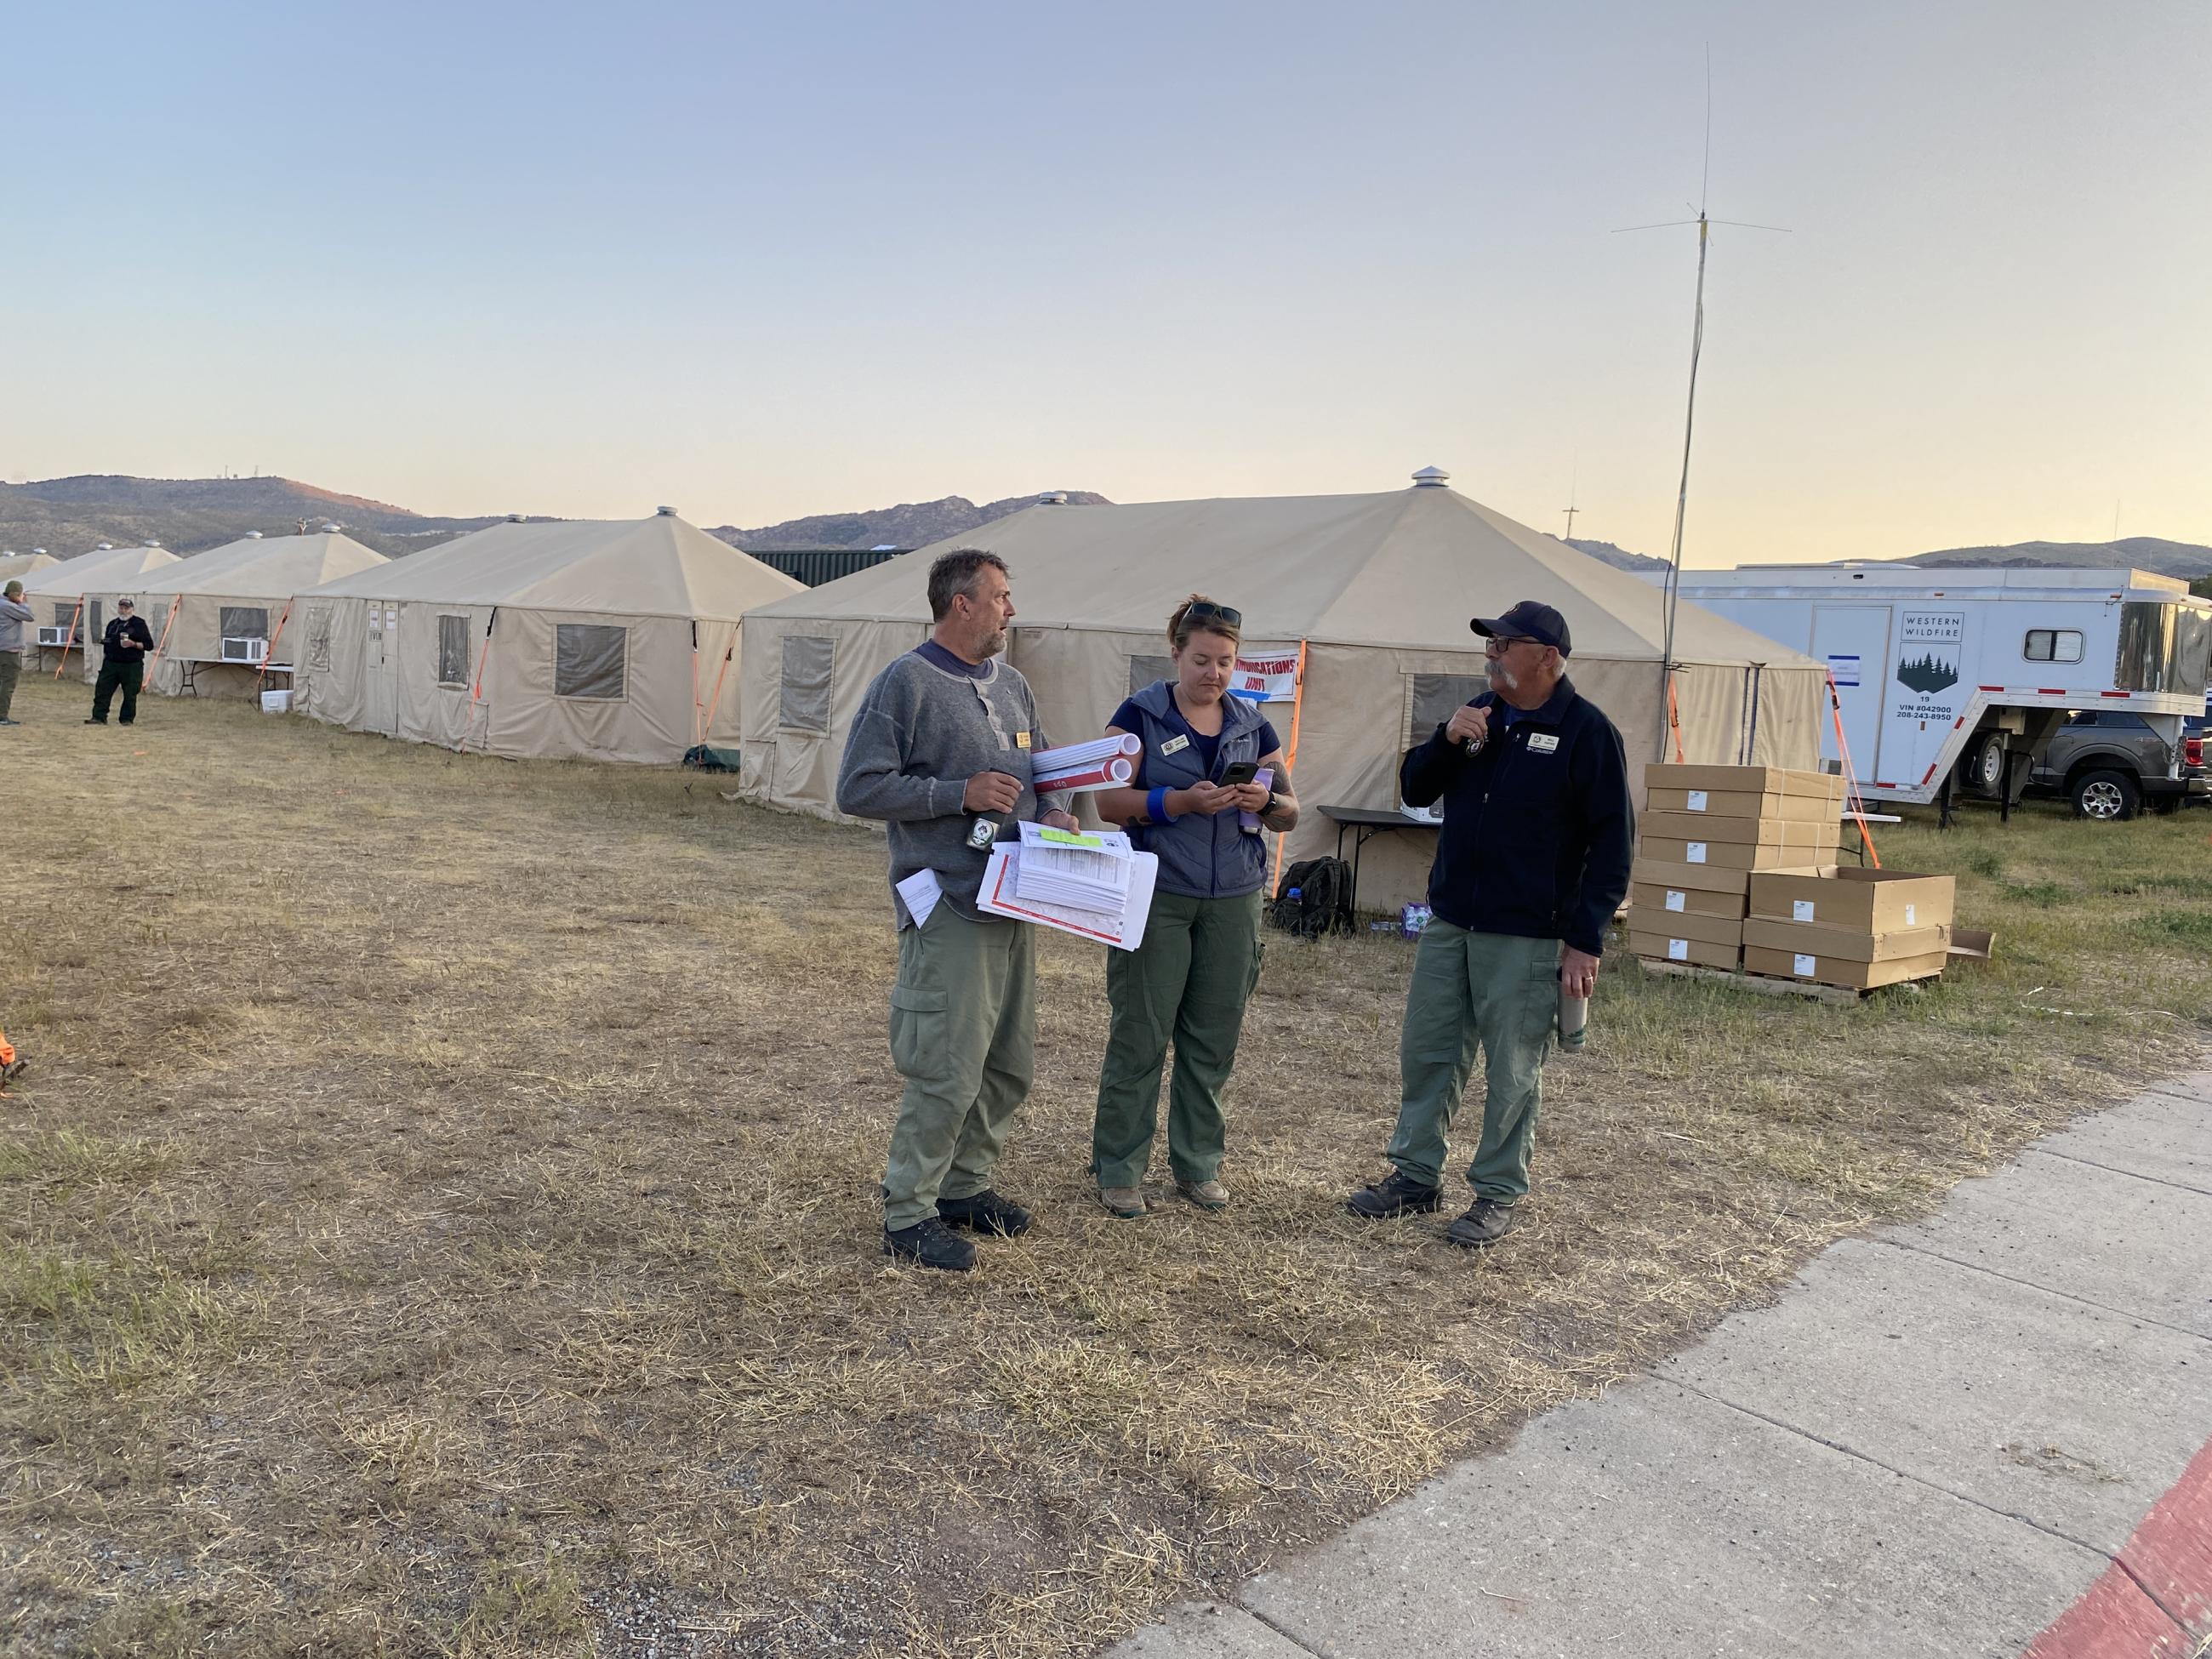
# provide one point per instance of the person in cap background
(1532, 861)
(14, 613)
(123, 648)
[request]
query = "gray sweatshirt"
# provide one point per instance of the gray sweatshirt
(12, 618)
(920, 734)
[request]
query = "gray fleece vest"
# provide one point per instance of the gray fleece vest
(1200, 857)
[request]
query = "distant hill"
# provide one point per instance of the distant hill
(69, 516)
(1618, 557)
(2186, 559)
(910, 524)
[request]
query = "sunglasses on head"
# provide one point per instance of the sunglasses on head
(1205, 611)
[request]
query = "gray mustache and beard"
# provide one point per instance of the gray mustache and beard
(1502, 678)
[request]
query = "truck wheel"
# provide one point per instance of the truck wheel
(2107, 795)
(1983, 770)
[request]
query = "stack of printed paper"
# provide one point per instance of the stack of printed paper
(1091, 884)
(1083, 872)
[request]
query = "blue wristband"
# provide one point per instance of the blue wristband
(1156, 806)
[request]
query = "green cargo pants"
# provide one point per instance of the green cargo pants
(1468, 988)
(963, 1026)
(1189, 980)
(11, 667)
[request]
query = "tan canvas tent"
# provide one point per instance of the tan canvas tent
(60, 595)
(218, 618)
(592, 639)
(1377, 588)
(21, 567)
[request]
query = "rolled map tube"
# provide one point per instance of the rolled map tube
(1108, 773)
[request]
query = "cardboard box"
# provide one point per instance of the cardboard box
(1729, 803)
(1844, 943)
(1726, 855)
(1864, 900)
(1706, 877)
(1835, 971)
(1817, 836)
(1688, 924)
(1654, 899)
(1745, 780)
(1675, 947)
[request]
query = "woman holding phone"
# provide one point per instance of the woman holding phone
(1211, 775)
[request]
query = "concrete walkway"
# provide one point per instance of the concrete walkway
(1978, 1436)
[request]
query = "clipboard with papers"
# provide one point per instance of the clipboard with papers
(1092, 883)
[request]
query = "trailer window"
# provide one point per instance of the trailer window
(2052, 645)
(2192, 649)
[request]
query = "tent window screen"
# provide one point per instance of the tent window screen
(319, 638)
(453, 651)
(244, 621)
(807, 661)
(2052, 645)
(92, 617)
(1143, 670)
(1435, 697)
(589, 660)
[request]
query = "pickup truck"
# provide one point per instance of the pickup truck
(2108, 763)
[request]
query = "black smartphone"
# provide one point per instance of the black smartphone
(1239, 773)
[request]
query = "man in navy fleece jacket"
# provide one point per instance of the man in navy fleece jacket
(1531, 863)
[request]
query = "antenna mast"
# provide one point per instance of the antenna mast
(1690, 412)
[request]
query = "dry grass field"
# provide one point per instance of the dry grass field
(438, 1217)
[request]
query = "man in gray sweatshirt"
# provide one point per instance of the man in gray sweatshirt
(941, 752)
(14, 613)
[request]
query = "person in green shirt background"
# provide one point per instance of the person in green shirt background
(1194, 804)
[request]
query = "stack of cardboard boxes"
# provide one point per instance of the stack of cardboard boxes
(1704, 833)
(1736, 867)
(1848, 926)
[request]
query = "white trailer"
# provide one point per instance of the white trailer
(1950, 676)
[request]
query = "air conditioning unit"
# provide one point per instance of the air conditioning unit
(245, 651)
(53, 636)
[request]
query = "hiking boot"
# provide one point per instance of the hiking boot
(95, 722)
(1486, 1224)
(932, 1244)
(1207, 1194)
(985, 1213)
(1123, 1203)
(1394, 1196)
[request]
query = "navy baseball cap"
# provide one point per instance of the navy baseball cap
(1531, 620)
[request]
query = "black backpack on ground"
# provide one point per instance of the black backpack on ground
(1317, 899)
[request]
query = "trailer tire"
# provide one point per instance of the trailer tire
(2107, 795)
(1983, 770)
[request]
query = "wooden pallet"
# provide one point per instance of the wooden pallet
(1765, 985)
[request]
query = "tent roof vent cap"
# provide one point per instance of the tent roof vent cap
(36, 551)
(250, 535)
(664, 512)
(104, 547)
(1052, 498)
(514, 518)
(1432, 478)
(150, 542)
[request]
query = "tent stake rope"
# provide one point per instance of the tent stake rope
(1291, 760)
(75, 618)
(715, 702)
(1857, 801)
(166, 627)
(476, 691)
(275, 641)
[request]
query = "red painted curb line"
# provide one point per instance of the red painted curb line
(2156, 1597)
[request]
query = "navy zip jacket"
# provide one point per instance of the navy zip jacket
(1538, 830)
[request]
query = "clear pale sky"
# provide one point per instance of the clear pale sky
(760, 261)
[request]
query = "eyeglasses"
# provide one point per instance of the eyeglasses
(1501, 641)
(1205, 610)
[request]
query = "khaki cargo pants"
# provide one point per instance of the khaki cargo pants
(963, 1027)
(1500, 992)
